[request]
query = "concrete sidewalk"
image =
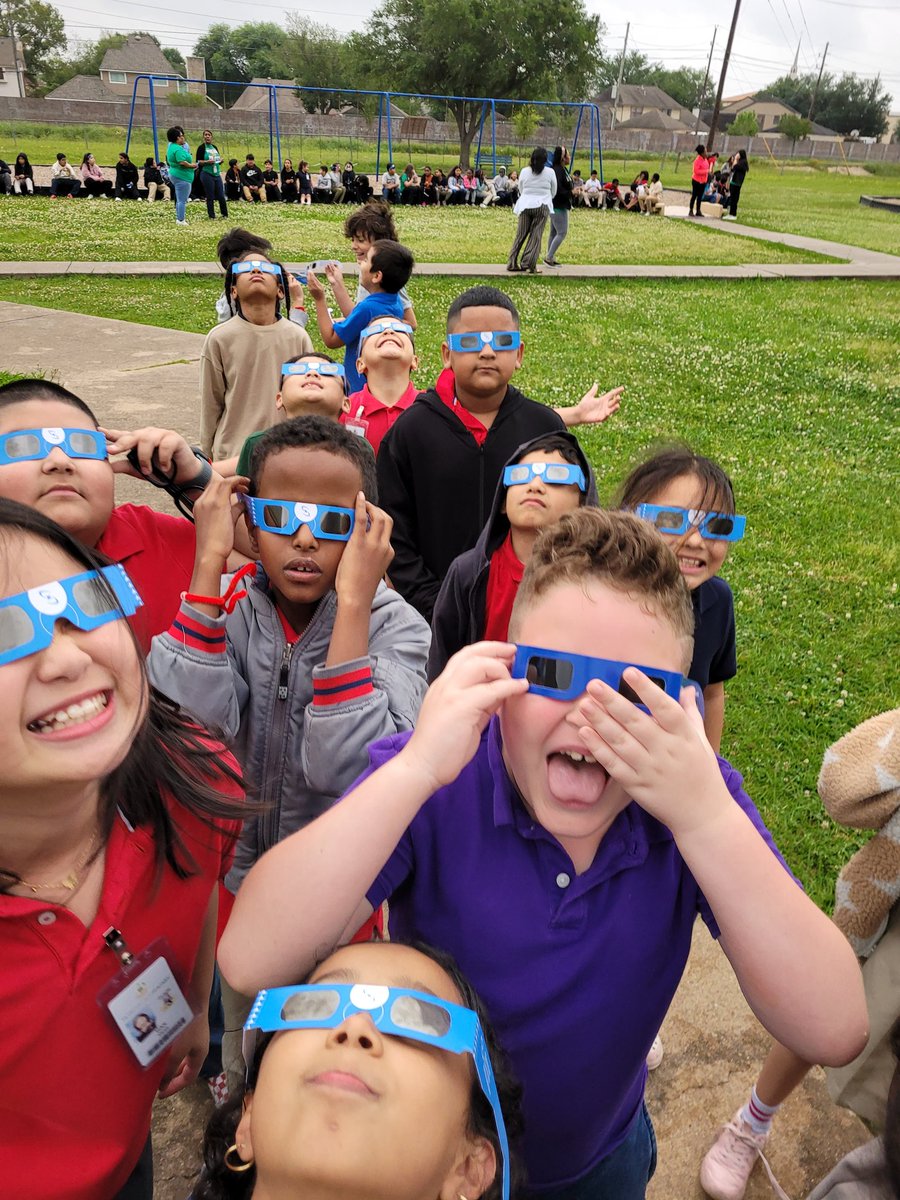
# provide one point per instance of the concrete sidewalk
(136, 375)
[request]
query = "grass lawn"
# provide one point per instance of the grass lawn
(805, 422)
(38, 229)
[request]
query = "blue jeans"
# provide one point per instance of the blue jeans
(182, 192)
(622, 1175)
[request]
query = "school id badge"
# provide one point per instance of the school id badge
(358, 424)
(145, 1000)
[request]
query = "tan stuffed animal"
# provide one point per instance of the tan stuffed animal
(860, 787)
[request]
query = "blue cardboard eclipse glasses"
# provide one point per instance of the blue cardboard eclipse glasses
(255, 264)
(26, 445)
(286, 516)
(86, 601)
(471, 343)
(390, 325)
(724, 527)
(563, 676)
(398, 1012)
(546, 471)
(312, 368)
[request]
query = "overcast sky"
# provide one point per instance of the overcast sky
(864, 35)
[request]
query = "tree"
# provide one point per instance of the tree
(40, 29)
(315, 56)
(745, 124)
(509, 49)
(175, 58)
(638, 69)
(795, 128)
(842, 104)
(524, 121)
(238, 55)
(683, 84)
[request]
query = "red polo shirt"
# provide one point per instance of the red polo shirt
(504, 576)
(75, 1104)
(157, 551)
(379, 416)
(446, 389)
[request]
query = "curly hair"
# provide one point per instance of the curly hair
(613, 548)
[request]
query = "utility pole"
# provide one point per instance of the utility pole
(718, 104)
(812, 103)
(712, 47)
(612, 123)
(20, 74)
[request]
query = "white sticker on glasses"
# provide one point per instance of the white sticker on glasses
(305, 512)
(55, 436)
(369, 995)
(49, 599)
(485, 336)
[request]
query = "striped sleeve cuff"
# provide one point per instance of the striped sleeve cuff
(195, 635)
(348, 685)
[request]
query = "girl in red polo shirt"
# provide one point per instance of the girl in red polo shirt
(117, 820)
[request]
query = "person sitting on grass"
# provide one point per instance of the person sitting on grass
(338, 190)
(577, 187)
(390, 185)
(56, 459)
(557, 822)
(154, 182)
(126, 179)
(592, 192)
(312, 385)
(64, 179)
(387, 358)
(457, 438)
(545, 478)
(233, 189)
(93, 180)
(270, 182)
(242, 357)
(252, 182)
(319, 657)
(452, 1141)
(323, 186)
(288, 182)
(304, 182)
(23, 176)
(384, 273)
(652, 202)
(612, 194)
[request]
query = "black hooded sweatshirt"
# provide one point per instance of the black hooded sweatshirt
(459, 612)
(437, 483)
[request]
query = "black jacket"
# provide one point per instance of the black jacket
(459, 611)
(126, 175)
(438, 484)
(563, 197)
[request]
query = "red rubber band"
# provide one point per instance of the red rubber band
(231, 597)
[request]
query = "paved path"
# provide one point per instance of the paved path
(139, 374)
(856, 263)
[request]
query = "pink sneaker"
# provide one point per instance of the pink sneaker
(729, 1162)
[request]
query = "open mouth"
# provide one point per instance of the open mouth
(79, 713)
(575, 778)
(690, 564)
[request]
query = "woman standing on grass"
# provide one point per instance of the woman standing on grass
(562, 204)
(739, 168)
(537, 189)
(211, 175)
(699, 179)
(181, 170)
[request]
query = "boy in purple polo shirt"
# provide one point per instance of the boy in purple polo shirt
(559, 841)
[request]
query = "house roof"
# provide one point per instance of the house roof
(638, 95)
(139, 55)
(660, 120)
(252, 98)
(7, 55)
(83, 87)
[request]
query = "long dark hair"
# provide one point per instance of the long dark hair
(218, 1183)
(538, 159)
(170, 754)
(673, 462)
(234, 304)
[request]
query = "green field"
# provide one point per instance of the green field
(793, 386)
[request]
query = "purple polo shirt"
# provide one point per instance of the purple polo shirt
(576, 971)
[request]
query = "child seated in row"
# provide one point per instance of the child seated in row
(690, 500)
(439, 466)
(556, 821)
(387, 359)
(317, 659)
(241, 357)
(55, 458)
(546, 478)
(384, 272)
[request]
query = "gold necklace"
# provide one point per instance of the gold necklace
(72, 880)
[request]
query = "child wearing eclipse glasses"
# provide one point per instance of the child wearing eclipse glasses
(312, 385)
(439, 466)
(306, 665)
(556, 821)
(241, 358)
(690, 500)
(546, 478)
(387, 358)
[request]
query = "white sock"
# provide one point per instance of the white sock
(757, 1115)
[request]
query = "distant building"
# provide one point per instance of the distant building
(769, 111)
(12, 69)
(119, 69)
(641, 106)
